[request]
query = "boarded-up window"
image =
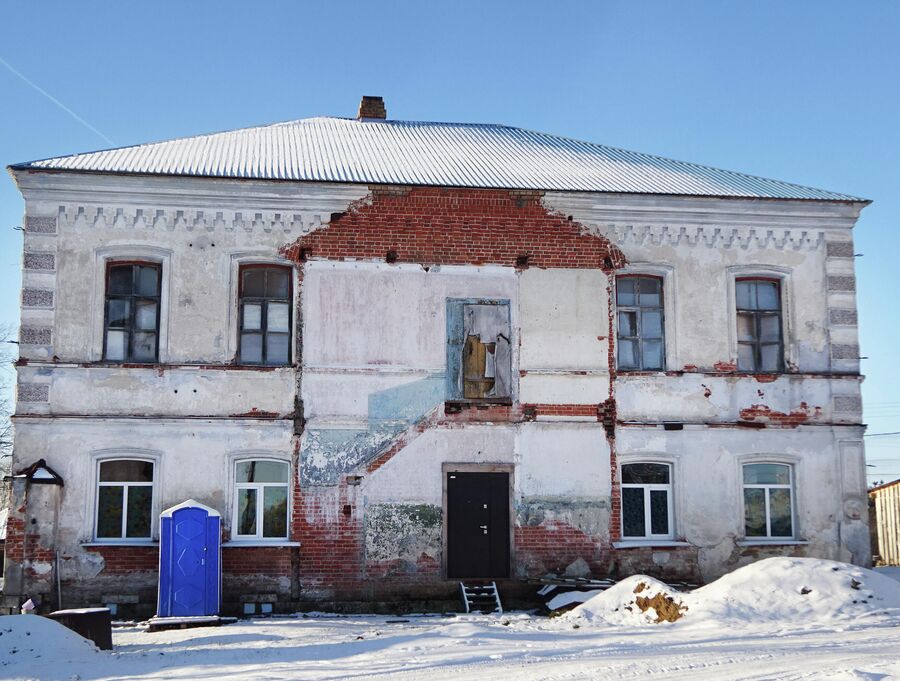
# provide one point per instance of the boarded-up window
(478, 349)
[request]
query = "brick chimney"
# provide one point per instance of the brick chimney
(372, 107)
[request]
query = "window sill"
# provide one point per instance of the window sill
(649, 543)
(258, 543)
(772, 542)
(137, 542)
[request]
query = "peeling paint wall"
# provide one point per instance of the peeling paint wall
(363, 414)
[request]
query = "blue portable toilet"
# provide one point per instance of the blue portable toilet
(190, 577)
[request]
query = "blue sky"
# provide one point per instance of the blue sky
(805, 91)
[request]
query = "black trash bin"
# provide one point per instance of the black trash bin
(92, 623)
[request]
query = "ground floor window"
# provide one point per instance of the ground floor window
(261, 499)
(768, 501)
(124, 499)
(647, 501)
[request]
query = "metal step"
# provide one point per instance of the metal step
(475, 595)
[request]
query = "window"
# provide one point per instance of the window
(124, 499)
(261, 500)
(768, 507)
(760, 345)
(647, 501)
(639, 301)
(265, 314)
(132, 312)
(478, 350)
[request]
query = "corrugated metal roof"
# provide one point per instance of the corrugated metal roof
(420, 153)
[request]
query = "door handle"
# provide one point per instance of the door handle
(483, 527)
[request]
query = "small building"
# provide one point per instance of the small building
(394, 355)
(886, 531)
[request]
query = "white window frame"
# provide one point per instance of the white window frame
(260, 496)
(122, 539)
(670, 510)
(768, 537)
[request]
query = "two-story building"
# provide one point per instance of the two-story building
(395, 355)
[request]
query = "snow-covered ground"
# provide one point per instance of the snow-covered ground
(831, 637)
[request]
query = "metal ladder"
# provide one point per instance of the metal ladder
(479, 596)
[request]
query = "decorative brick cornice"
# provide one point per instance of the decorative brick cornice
(713, 237)
(171, 219)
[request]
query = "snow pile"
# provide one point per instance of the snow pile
(807, 590)
(780, 590)
(635, 600)
(25, 639)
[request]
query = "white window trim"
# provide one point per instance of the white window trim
(649, 539)
(262, 256)
(670, 336)
(792, 465)
(257, 539)
(785, 285)
(108, 254)
(93, 499)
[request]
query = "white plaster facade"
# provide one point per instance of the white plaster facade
(369, 331)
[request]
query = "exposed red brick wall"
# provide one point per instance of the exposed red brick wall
(257, 560)
(448, 226)
(15, 540)
(763, 414)
(444, 226)
(552, 546)
(118, 560)
(481, 413)
(534, 410)
(330, 528)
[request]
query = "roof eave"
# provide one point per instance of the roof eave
(27, 167)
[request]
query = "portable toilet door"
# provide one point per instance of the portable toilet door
(189, 561)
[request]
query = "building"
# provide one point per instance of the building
(885, 516)
(394, 355)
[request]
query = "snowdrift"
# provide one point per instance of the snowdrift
(785, 590)
(33, 637)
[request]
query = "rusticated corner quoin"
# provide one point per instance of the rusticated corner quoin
(439, 226)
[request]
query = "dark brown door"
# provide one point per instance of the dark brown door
(477, 525)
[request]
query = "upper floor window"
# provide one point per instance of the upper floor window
(132, 312)
(124, 499)
(768, 502)
(647, 501)
(639, 302)
(261, 499)
(759, 327)
(265, 314)
(479, 358)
